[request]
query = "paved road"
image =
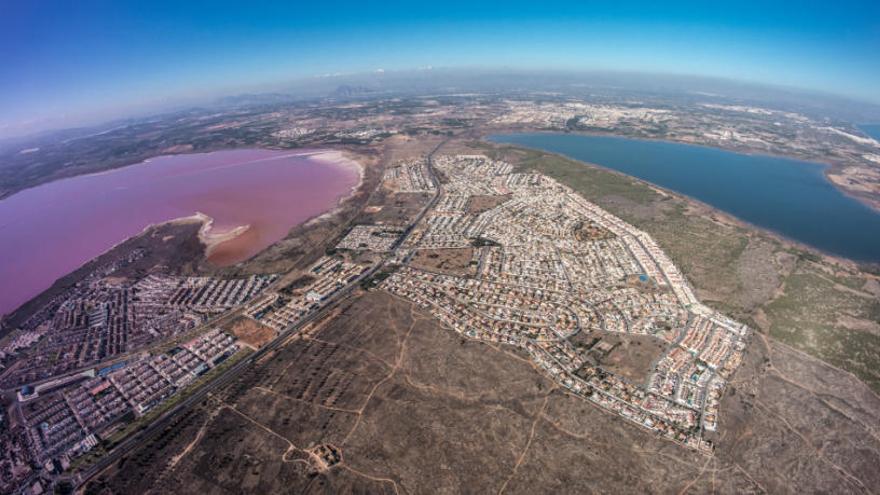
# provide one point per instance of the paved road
(230, 374)
(438, 191)
(218, 382)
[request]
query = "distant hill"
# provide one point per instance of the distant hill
(249, 99)
(347, 90)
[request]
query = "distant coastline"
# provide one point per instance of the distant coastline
(244, 199)
(829, 167)
(822, 217)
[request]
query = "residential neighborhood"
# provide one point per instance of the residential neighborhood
(553, 268)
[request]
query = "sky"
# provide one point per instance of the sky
(63, 63)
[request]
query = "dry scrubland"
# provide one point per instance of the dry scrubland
(251, 333)
(451, 261)
(822, 306)
(413, 408)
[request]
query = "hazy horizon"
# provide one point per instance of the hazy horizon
(322, 85)
(68, 64)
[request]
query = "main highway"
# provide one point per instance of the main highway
(234, 371)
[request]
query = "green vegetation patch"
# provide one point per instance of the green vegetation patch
(592, 182)
(813, 315)
(737, 270)
(706, 251)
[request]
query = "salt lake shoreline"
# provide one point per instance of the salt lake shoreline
(720, 215)
(828, 169)
(212, 240)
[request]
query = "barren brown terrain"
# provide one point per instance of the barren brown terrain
(414, 409)
(631, 356)
(481, 203)
(453, 261)
(252, 333)
(404, 405)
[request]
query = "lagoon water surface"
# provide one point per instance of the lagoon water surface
(788, 196)
(50, 230)
(872, 130)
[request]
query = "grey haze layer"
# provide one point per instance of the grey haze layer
(787, 196)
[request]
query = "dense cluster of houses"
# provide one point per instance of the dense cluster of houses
(409, 176)
(377, 238)
(553, 265)
(109, 316)
(327, 276)
(96, 403)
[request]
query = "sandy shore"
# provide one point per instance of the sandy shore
(342, 159)
(213, 239)
(207, 234)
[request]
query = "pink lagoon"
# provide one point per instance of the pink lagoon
(253, 196)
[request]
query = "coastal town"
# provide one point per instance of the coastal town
(104, 353)
(408, 276)
(501, 256)
(108, 316)
(552, 275)
(555, 275)
(497, 256)
(97, 402)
